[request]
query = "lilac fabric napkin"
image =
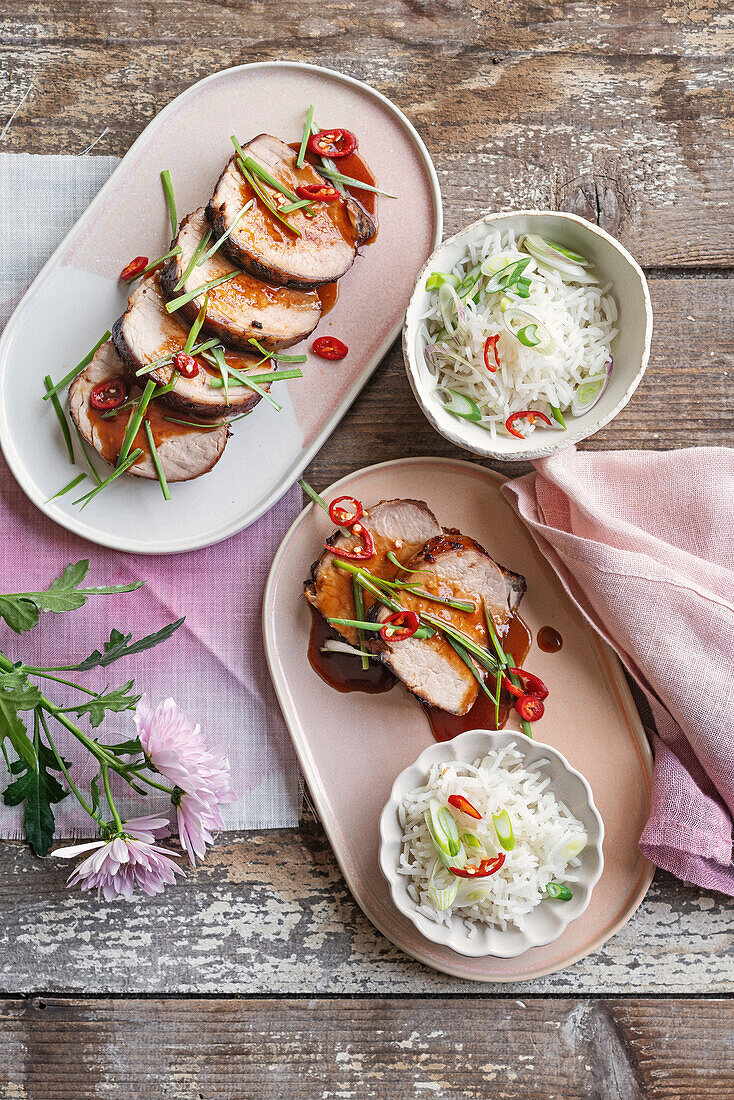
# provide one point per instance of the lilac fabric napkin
(643, 543)
(214, 666)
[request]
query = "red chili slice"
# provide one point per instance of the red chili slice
(343, 518)
(333, 143)
(186, 364)
(530, 707)
(317, 192)
(108, 394)
(531, 415)
(328, 347)
(532, 685)
(357, 553)
(401, 625)
(133, 269)
(465, 806)
(491, 342)
(480, 870)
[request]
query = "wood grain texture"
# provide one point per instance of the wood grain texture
(359, 1049)
(620, 111)
(269, 912)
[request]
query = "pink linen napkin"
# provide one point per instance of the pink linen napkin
(644, 545)
(214, 665)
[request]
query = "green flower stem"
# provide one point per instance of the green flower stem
(58, 680)
(150, 782)
(70, 782)
(108, 792)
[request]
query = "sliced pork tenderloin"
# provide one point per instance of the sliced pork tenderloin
(243, 307)
(146, 333)
(185, 453)
(400, 526)
(455, 567)
(263, 246)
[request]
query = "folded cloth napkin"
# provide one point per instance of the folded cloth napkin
(643, 543)
(214, 666)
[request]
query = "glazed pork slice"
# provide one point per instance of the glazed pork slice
(243, 307)
(185, 453)
(400, 526)
(456, 568)
(263, 246)
(146, 332)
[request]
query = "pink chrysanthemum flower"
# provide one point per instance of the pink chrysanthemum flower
(118, 865)
(196, 819)
(171, 741)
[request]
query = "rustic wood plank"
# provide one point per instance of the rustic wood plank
(269, 912)
(685, 399)
(619, 111)
(366, 1049)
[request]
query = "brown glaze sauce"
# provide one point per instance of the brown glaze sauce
(245, 291)
(549, 640)
(516, 640)
(340, 670)
(356, 166)
(111, 431)
(328, 294)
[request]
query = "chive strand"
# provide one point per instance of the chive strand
(170, 199)
(271, 376)
(183, 299)
(218, 243)
(173, 252)
(359, 608)
(195, 328)
(61, 418)
(194, 261)
(135, 420)
(67, 488)
(276, 355)
(87, 459)
(304, 142)
(348, 181)
(129, 461)
(157, 461)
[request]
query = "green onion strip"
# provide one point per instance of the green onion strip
(170, 199)
(157, 461)
(61, 418)
(306, 135)
(79, 367)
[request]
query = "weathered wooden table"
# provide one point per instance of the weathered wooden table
(258, 976)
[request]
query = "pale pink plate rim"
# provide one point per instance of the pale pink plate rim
(120, 541)
(421, 949)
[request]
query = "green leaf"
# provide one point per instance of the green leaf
(12, 727)
(119, 646)
(16, 688)
(117, 700)
(39, 790)
(20, 614)
(126, 748)
(20, 610)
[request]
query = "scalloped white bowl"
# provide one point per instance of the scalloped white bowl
(548, 920)
(631, 347)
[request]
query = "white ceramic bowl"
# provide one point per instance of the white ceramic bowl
(547, 921)
(631, 347)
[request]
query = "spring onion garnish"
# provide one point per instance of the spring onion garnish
(299, 205)
(220, 360)
(532, 242)
(170, 199)
(365, 624)
(164, 360)
(332, 645)
(528, 336)
(452, 634)
(228, 373)
(469, 281)
(442, 898)
(558, 891)
(443, 829)
(327, 162)
(461, 652)
(370, 583)
(161, 259)
(195, 258)
(61, 418)
(196, 327)
(588, 393)
(558, 416)
(506, 277)
(157, 461)
(528, 329)
(80, 367)
(460, 605)
(238, 217)
(359, 608)
(274, 354)
(86, 457)
(176, 303)
(119, 408)
(134, 422)
(392, 557)
(206, 426)
(319, 500)
(465, 408)
(304, 140)
(67, 488)
(503, 828)
(270, 376)
(433, 282)
(505, 663)
(258, 190)
(471, 840)
(347, 181)
(257, 169)
(129, 461)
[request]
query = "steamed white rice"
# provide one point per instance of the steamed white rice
(543, 827)
(579, 315)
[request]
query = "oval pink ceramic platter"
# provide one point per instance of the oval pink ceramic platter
(77, 296)
(352, 746)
